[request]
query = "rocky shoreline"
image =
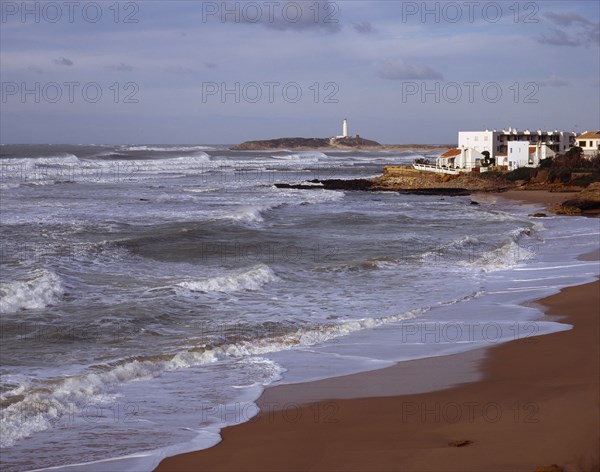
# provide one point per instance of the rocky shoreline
(369, 186)
(406, 180)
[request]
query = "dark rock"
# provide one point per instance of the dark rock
(300, 186)
(340, 184)
(332, 184)
(367, 185)
(474, 203)
(538, 215)
(460, 443)
(582, 204)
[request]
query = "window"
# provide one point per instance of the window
(476, 138)
(485, 138)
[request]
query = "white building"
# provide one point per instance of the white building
(507, 153)
(589, 142)
(518, 155)
(497, 142)
(523, 154)
(461, 159)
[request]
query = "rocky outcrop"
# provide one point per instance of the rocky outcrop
(331, 184)
(368, 185)
(306, 143)
(282, 143)
(587, 203)
(407, 178)
(410, 181)
(355, 141)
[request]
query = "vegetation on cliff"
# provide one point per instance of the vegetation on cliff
(305, 143)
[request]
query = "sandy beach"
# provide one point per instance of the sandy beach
(529, 403)
(541, 197)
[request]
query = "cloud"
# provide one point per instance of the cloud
(554, 81)
(36, 70)
(559, 38)
(566, 19)
(575, 31)
(364, 27)
(210, 65)
(320, 15)
(400, 70)
(63, 61)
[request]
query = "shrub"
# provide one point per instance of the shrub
(561, 174)
(575, 161)
(422, 160)
(491, 174)
(575, 151)
(587, 180)
(522, 173)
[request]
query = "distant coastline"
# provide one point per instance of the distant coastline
(345, 143)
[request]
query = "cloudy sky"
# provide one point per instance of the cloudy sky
(225, 72)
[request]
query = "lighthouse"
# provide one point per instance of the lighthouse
(344, 132)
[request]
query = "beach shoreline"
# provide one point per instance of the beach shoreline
(522, 404)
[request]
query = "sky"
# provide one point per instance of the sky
(179, 72)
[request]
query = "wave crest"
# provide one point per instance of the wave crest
(40, 289)
(250, 279)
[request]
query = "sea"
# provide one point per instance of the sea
(150, 293)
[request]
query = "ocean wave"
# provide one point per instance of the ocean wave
(168, 148)
(249, 214)
(38, 290)
(53, 160)
(250, 279)
(311, 196)
(37, 408)
(101, 159)
(313, 155)
(469, 251)
(8, 186)
(200, 190)
(373, 263)
(59, 160)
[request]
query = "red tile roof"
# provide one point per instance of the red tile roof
(451, 153)
(590, 135)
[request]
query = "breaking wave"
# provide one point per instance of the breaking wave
(29, 409)
(250, 279)
(40, 289)
(168, 148)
